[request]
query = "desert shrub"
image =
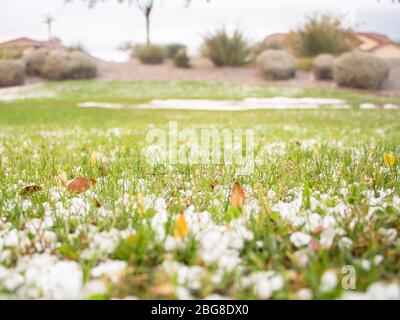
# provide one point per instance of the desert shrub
(360, 70)
(149, 54)
(262, 46)
(34, 61)
(68, 65)
(277, 64)
(225, 50)
(77, 47)
(12, 73)
(10, 53)
(323, 67)
(320, 34)
(181, 59)
(173, 49)
(305, 64)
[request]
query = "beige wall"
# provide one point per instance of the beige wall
(388, 51)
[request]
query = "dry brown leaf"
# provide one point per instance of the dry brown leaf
(238, 196)
(80, 184)
(213, 184)
(102, 170)
(29, 190)
(163, 290)
(97, 203)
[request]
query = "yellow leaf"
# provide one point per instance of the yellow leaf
(139, 198)
(389, 159)
(316, 152)
(93, 159)
(181, 228)
(238, 197)
(131, 239)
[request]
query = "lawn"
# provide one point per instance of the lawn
(320, 218)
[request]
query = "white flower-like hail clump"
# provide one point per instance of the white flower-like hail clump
(304, 294)
(388, 235)
(190, 277)
(376, 291)
(32, 231)
(329, 281)
(264, 283)
(217, 244)
(103, 244)
(79, 207)
(160, 219)
(44, 276)
(111, 269)
(300, 239)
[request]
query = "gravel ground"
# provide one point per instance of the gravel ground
(203, 70)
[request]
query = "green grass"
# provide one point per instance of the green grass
(68, 92)
(308, 161)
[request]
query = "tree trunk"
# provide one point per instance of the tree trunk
(148, 28)
(48, 23)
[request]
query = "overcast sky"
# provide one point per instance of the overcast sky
(102, 29)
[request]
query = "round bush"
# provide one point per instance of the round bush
(34, 61)
(181, 59)
(360, 70)
(323, 67)
(12, 73)
(277, 64)
(68, 66)
(149, 54)
(173, 49)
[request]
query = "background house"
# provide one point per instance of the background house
(26, 44)
(378, 44)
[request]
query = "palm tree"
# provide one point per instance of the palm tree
(49, 19)
(146, 6)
